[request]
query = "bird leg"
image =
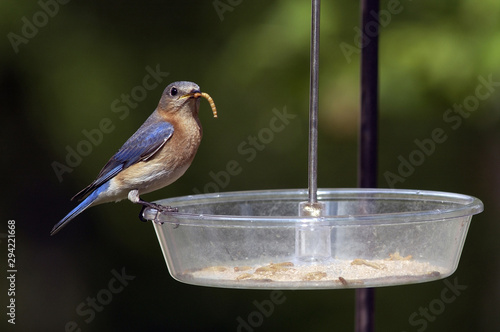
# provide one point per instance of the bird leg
(133, 196)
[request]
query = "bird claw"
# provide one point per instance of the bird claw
(163, 208)
(159, 208)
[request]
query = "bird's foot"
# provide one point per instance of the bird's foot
(158, 207)
(162, 208)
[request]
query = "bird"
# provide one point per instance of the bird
(155, 156)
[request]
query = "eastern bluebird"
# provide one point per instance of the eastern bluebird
(156, 155)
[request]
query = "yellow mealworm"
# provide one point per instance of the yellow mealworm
(210, 100)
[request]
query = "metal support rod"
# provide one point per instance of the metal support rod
(367, 162)
(313, 103)
(365, 310)
(312, 243)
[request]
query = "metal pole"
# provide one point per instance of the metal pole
(367, 162)
(313, 103)
(313, 244)
(367, 167)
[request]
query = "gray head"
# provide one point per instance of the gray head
(180, 96)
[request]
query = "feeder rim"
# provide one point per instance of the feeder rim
(460, 205)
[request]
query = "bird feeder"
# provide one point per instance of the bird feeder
(358, 238)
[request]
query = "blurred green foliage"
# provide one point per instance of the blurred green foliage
(251, 59)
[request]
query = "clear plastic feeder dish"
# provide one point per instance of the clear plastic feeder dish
(358, 238)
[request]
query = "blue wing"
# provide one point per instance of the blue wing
(146, 141)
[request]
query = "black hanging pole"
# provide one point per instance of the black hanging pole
(368, 133)
(367, 162)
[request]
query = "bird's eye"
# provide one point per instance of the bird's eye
(173, 91)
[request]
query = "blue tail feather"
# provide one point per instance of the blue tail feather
(79, 209)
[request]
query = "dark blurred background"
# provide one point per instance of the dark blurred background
(67, 66)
